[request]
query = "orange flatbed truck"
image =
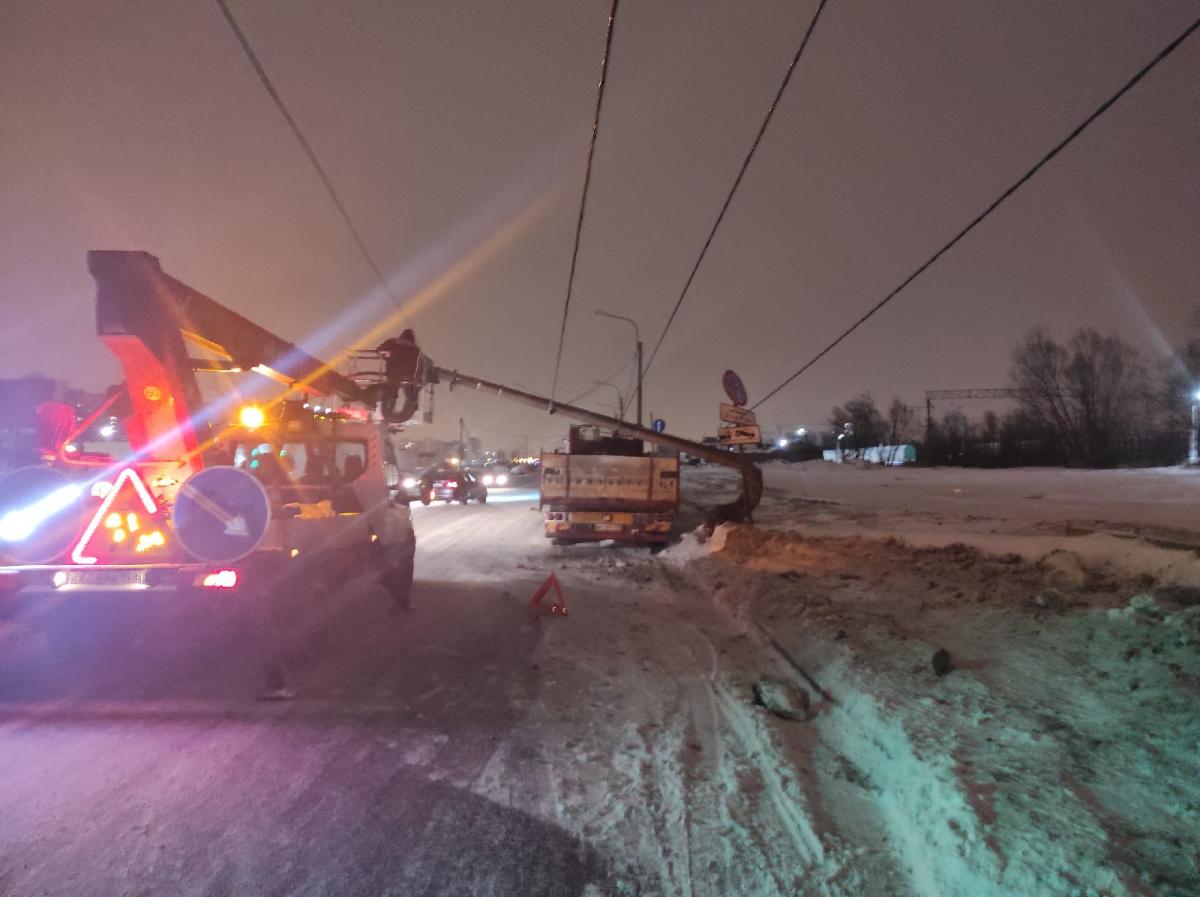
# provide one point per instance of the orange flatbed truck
(606, 487)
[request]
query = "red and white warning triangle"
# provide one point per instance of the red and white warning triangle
(127, 481)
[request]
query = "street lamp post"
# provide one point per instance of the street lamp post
(637, 336)
(620, 398)
(1194, 432)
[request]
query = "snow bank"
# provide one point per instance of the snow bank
(695, 544)
(1058, 756)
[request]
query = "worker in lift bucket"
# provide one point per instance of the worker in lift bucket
(401, 359)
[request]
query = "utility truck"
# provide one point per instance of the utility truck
(283, 481)
(254, 468)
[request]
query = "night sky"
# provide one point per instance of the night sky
(456, 133)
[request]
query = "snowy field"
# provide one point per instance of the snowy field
(1058, 751)
(1159, 500)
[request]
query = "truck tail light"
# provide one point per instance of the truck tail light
(220, 579)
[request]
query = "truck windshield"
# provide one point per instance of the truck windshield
(303, 463)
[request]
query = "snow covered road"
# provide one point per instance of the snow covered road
(472, 749)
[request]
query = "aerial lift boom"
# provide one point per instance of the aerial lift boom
(148, 318)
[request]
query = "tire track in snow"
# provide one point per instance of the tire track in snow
(709, 718)
(821, 823)
(758, 744)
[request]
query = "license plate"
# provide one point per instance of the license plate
(608, 527)
(106, 578)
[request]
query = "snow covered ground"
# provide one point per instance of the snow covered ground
(883, 688)
(1060, 752)
(1056, 753)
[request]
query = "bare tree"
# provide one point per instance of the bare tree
(902, 422)
(902, 428)
(867, 426)
(1090, 394)
(958, 432)
(1179, 377)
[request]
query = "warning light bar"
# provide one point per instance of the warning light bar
(251, 417)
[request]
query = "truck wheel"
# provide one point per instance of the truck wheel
(398, 581)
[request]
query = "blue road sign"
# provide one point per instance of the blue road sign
(221, 514)
(659, 425)
(40, 515)
(735, 389)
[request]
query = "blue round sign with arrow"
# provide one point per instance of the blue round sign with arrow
(735, 389)
(659, 425)
(40, 514)
(221, 514)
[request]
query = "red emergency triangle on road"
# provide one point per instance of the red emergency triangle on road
(559, 607)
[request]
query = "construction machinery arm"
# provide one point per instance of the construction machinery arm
(148, 319)
(135, 297)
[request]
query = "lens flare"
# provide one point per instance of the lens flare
(19, 525)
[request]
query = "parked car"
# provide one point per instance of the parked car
(448, 484)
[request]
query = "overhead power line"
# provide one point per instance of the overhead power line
(599, 383)
(812, 24)
(587, 179)
(978, 219)
(269, 86)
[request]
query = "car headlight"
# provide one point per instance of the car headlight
(487, 479)
(409, 482)
(501, 480)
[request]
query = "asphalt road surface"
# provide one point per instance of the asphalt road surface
(466, 748)
(135, 758)
(141, 763)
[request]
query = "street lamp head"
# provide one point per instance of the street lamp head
(1196, 395)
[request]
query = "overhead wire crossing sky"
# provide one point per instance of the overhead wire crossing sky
(269, 86)
(587, 179)
(787, 77)
(978, 219)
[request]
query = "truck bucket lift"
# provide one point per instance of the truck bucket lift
(148, 318)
